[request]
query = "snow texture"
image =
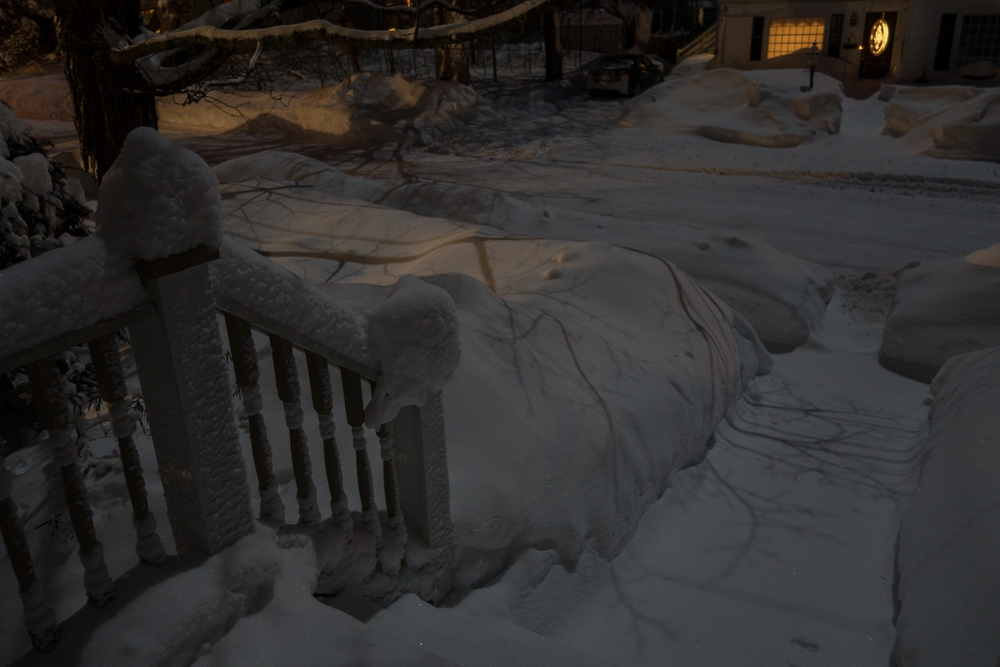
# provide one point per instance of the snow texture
(67, 289)
(942, 308)
(949, 542)
(274, 294)
(414, 335)
(369, 104)
(168, 619)
(957, 122)
(782, 297)
(158, 199)
(760, 108)
(578, 395)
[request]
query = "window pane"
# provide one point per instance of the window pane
(788, 35)
(979, 39)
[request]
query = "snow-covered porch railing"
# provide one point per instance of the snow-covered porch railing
(158, 266)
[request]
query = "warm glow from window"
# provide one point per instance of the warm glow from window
(789, 35)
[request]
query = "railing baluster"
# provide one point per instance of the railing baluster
(111, 383)
(393, 508)
(287, 377)
(322, 397)
(38, 615)
(390, 483)
(47, 387)
(247, 373)
(355, 407)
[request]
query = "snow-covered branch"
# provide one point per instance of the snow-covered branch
(423, 7)
(279, 36)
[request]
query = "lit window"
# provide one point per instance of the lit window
(789, 35)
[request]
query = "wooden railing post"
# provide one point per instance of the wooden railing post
(286, 375)
(355, 407)
(111, 384)
(421, 466)
(47, 386)
(247, 373)
(38, 615)
(322, 398)
(185, 383)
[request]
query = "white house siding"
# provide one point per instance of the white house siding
(925, 22)
(736, 49)
(736, 24)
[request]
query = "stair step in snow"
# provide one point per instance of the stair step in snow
(517, 645)
(460, 650)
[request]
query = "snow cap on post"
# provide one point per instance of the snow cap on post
(158, 200)
(414, 335)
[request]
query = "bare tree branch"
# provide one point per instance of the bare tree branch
(279, 36)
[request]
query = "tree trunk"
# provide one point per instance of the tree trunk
(450, 63)
(553, 47)
(104, 107)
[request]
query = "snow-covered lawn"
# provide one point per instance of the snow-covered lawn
(779, 547)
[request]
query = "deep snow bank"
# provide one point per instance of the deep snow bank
(761, 108)
(949, 541)
(783, 297)
(942, 308)
(959, 122)
(368, 105)
(589, 373)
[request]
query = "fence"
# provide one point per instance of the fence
(170, 308)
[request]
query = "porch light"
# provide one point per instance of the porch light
(812, 60)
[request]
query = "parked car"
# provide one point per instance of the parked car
(624, 74)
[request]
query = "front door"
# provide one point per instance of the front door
(877, 40)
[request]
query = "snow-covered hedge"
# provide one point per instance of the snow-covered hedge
(942, 308)
(949, 541)
(40, 209)
(589, 375)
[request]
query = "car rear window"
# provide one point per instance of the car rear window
(615, 63)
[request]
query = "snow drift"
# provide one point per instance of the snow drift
(942, 308)
(783, 297)
(949, 541)
(368, 106)
(577, 396)
(957, 122)
(760, 108)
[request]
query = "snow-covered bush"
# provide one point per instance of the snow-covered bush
(40, 209)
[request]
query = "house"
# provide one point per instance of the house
(905, 40)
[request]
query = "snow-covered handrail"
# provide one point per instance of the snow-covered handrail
(66, 296)
(159, 265)
(277, 301)
(298, 33)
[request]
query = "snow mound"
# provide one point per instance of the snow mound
(369, 104)
(942, 308)
(692, 65)
(758, 108)
(158, 199)
(949, 541)
(783, 297)
(589, 373)
(958, 122)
